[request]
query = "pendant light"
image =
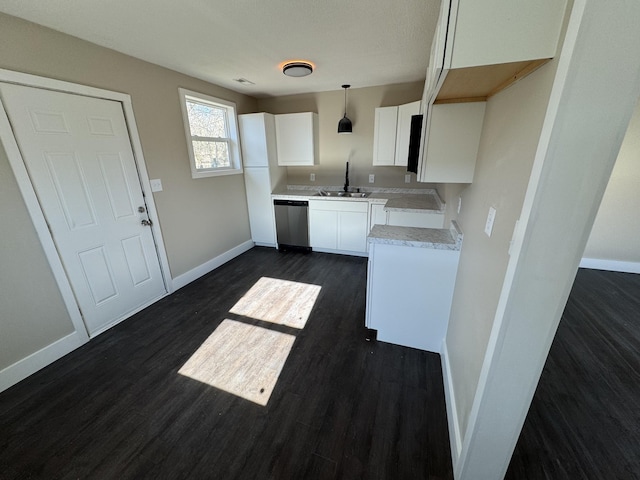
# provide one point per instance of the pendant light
(344, 125)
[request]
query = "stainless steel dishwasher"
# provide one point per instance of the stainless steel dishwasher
(292, 224)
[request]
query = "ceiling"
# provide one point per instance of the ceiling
(359, 42)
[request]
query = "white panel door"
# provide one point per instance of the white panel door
(79, 157)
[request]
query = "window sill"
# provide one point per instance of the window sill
(216, 173)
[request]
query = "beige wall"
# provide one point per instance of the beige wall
(356, 148)
(32, 313)
(200, 219)
(190, 211)
(616, 232)
(512, 125)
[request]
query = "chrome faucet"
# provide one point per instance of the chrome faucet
(346, 179)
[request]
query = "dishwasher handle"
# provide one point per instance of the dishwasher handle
(292, 203)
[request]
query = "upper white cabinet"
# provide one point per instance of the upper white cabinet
(391, 134)
(384, 136)
(405, 112)
(453, 137)
(257, 139)
(297, 139)
(480, 46)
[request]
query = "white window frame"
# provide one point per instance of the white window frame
(233, 141)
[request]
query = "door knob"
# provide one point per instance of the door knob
(141, 209)
(147, 223)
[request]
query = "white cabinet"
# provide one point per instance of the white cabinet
(297, 139)
(479, 48)
(260, 206)
(384, 136)
(391, 134)
(403, 132)
(409, 294)
(338, 226)
(450, 148)
(261, 173)
(489, 32)
(481, 45)
(426, 219)
(377, 215)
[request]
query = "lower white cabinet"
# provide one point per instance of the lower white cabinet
(338, 226)
(409, 294)
(258, 185)
(378, 215)
(424, 219)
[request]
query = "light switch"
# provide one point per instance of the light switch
(312, 177)
(156, 185)
(488, 228)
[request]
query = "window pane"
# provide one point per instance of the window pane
(211, 154)
(207, 120)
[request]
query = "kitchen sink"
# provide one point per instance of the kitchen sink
(324, 193)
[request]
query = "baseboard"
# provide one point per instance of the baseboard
(195, 273)
(455, 437)
(29, 365)
(611, 265)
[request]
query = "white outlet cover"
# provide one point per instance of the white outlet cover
(488, 228)
(407, 178)
(156, 185)
(372, 178)
(312, 177)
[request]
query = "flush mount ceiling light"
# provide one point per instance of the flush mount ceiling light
(344, 125)
(297, 69)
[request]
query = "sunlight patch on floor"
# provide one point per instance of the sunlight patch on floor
(244, 360)
(278, 301)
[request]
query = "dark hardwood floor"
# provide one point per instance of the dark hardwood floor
(584, 421)
(342, 407)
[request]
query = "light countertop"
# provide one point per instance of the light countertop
(436, 238)
(394, 199)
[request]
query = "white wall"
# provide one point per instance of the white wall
(615, 237)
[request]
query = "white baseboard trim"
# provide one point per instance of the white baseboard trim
(195, 273)
(611, 265)
(455, 437)
(29, 365)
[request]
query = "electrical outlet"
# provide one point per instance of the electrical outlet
(156, 185)
(372, 178)
(407, 178)
(312, 177)
(488, 228)
(459, 204)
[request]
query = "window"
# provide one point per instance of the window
(212, 134)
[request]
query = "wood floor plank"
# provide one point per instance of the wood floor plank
(342, 407)
(585, 416)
